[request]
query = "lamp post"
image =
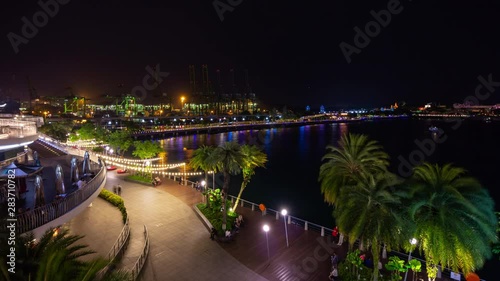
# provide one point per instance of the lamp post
(413, 242)
(185, 180)
(146, 164)
(266, 230)
(283, 213)
(182, 104)
(111, 151)
(203, 183)
(107, 148)
(213, 180)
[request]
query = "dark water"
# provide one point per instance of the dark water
(290, 177)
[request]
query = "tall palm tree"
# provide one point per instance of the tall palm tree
(454, 216)
(356, 155)
(201, 160)
(229, 159)
(253, 158)
(369, 212)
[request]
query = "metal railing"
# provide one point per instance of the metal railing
(54, 143)
(7, 162)
(142, 258)
(116, 250)
(35, 218)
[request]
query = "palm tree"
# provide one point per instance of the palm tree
(454, 216)
(253, 157)
(201, 160)
(356, 154)
(56, 256)
(229, 159)
(369, 212)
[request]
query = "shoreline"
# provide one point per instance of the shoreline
(259, 126)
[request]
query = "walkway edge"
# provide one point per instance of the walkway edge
(202, 217)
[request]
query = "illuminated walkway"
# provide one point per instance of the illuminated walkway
(180, 244)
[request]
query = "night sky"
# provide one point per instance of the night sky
(429, 51)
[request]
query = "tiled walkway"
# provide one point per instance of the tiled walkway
(100, 225)
(180, 244)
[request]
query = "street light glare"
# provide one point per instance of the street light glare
(283, 212)
(413, 241)
(203, 183)
(266, 227)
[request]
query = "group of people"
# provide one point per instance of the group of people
(334, 273)
(238, 222)
(156, 181)
(117, 189)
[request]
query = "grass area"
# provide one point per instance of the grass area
(140, 178)
(116, 201)
(215, 217)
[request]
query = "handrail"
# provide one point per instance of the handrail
(117, 248)
(37, 217)
(142, 258)
(7, 162)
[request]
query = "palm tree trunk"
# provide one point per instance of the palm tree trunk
(242, 188)
(376, 258)
(225, 188)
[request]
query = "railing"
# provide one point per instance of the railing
(35, 218)
(50, 141)
(7, 162)
(116, 250)
(142, 258)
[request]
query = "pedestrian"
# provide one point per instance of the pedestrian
(180, 181)
(114, 189)
(212, 233)
(119, 189)
(335, 260)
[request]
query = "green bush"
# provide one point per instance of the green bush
(116, 201)
(215, 218)
(139, 178)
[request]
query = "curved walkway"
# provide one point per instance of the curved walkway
(100, 224)
(180, 244)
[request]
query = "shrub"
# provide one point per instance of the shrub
(215, 218)
(116, 201)
(140, 178)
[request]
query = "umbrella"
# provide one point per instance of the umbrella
(6, 171)
(60, 188)
(86, 163)
(75, 175)
(39, 192)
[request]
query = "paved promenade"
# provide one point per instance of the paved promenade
(100, 225)
(180, 244)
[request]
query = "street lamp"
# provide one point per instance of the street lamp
(203, 183)
(111, 151)
(413, 242)
(182, 103)
(266, 230)
(107, 148)
(283, 213)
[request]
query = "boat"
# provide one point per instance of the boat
(433, 129)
